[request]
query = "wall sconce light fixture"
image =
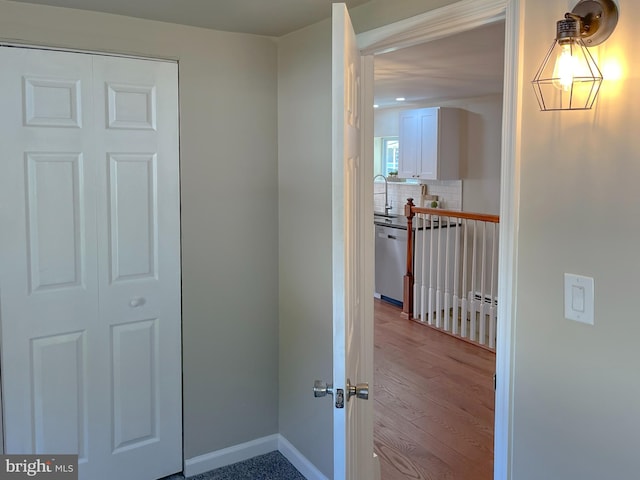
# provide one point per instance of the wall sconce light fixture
(569, 78)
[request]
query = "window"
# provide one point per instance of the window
(390, 156)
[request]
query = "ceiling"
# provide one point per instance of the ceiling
(260, 17)
(469, 64)
(461, 66)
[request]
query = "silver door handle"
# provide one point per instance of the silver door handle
(360, 390)
(321, 389)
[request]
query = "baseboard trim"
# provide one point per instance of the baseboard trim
(227, 456)
(244, 451)
(304, 466)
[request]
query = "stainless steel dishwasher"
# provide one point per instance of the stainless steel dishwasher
(391, 262)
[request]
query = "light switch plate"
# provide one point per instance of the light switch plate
(578, 298)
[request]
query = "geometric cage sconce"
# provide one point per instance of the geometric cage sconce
(569, 78)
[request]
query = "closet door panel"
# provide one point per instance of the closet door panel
(90, 261)
(48, 249)
(139, 260)
(133, 216)
(59, 393)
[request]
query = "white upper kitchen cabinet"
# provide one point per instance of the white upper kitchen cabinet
(430, 144)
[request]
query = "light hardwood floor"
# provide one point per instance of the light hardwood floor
(433, 402)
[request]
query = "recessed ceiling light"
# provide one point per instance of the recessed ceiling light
(400, 99)
(375, 105)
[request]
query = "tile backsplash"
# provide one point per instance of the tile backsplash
(449, 194)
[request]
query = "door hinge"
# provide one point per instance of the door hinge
(495, 382)
(339, 398)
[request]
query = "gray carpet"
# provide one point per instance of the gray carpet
(271, 466)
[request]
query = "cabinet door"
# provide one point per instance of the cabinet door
(409, 147)
(429, 144)
(427, 120)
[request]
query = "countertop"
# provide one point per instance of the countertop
(400, 221)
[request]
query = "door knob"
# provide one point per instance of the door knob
(137, 302)
(360, 390)
(320, 389)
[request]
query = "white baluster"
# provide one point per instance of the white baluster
(447, 292)
(494, 267)
(472, 296)
(483, 269)
(465, 312)
(456, 279)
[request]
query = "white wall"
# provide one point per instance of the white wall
(228, 144)
(481, 153)
(577, 394)
(304, 174)
(386, 122)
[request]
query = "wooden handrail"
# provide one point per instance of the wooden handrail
(482, 217)
(410, 211)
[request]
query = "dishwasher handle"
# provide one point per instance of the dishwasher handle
(391, 233)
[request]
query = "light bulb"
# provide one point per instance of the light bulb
(565, 68)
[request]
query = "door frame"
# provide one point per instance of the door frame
(439, 23)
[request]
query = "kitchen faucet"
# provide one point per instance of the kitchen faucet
(387, 205)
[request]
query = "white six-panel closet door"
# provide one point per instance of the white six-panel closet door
(89, 261)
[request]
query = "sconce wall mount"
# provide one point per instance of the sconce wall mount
(569, 77)
(599, 19)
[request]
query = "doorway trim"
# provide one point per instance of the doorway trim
(439, 23)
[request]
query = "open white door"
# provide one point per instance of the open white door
(352, 262)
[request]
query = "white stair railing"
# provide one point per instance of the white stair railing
(452, 272)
